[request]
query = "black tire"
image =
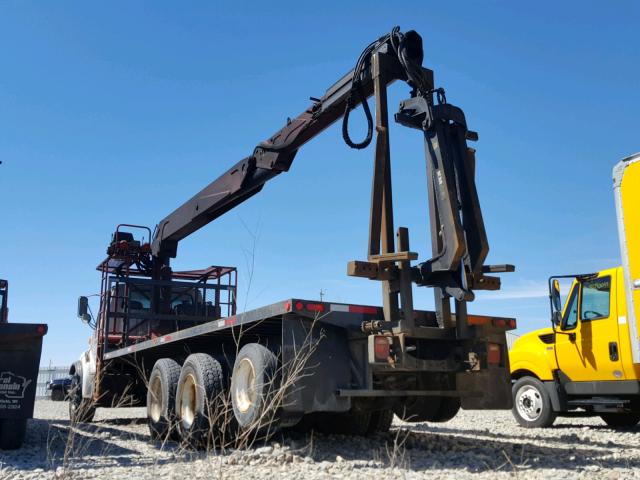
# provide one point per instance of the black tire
(254, 384)
(427, 409)
(347, 423)
(161, 398)
(531, 404)
(621, 420)
(306, 424)
(198, 400)
(57, 395)
(81, 410)
(380, 421)
(418, 409)
(449, 408)
(12, 433)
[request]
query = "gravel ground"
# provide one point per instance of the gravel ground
(473, 445)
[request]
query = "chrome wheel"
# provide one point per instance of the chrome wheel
(244, 385)
(188, 396)
(155, 407)
(529, 403)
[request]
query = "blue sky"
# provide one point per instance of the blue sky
(118, 112)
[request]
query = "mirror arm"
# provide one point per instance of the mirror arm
(571, 335)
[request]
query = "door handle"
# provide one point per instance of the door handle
(613, 351)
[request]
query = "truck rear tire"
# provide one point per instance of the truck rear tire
(531, 404)
(161, 398)
(12, 433)
(380, 422)
(344, 423)
(621, 420)
(57, 395)
(198, 398)
(449, 408)
(254, 385)
(81, 410)
(428, 409)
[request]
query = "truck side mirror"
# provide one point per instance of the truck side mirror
(83, 309)
(556, 302)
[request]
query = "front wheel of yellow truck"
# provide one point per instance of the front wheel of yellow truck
(532, 404)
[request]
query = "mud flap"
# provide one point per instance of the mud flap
(488, 389)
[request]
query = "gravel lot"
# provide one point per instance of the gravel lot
(473, 445)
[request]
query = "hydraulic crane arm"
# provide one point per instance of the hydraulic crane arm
(248, 176)
(458, 237)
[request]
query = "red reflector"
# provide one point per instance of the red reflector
(381, 348)
(512, 323)
(287, 307)
(40, 328)
(362, 309)
(299, 306)
(477, 320)
(229, 321)
(493, 353)
(315, 307)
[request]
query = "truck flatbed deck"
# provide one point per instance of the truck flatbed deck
(342, 315)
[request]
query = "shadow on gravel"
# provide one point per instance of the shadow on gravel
(570, 439)
(457, 450)
(53, 443)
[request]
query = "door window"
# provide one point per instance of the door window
(595, 298)
(570, 319)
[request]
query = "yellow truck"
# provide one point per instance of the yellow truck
(588, 362)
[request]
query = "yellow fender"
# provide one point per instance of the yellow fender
(530, 354)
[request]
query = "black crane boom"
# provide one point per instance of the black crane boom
(458, 237)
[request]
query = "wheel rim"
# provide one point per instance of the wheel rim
(244, 385)
(529, 403)
(155, 406)
(188, 401)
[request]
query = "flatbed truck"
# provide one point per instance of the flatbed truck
(174, 341)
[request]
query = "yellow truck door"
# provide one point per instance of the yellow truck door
(626, 186)
(589, 349)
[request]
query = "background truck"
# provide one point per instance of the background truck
(588, 362)
(20, 348)
(174, 341)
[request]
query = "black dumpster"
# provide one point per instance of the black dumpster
(20, 348)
